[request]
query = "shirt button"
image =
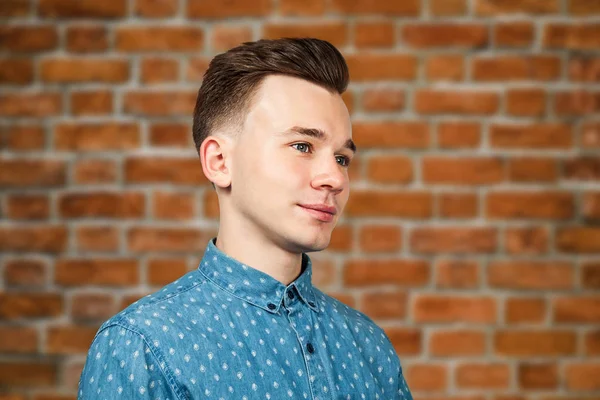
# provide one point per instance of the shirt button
(271, 306)
(290, 294)
(310, 348)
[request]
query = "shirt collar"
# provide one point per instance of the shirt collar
(252, 285)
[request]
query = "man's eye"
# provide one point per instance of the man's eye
(302, 144)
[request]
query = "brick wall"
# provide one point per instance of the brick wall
(472, 232)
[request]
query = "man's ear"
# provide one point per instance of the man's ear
(215, 157)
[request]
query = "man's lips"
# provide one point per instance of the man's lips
(320, 207)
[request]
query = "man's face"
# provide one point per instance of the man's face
(277, 170)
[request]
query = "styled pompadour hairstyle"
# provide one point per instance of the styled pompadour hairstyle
(233, 77)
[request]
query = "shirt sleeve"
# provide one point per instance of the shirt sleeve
(403, 390)
(119, 365)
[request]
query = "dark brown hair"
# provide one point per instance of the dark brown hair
(233, 77)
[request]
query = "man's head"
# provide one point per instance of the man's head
(273, 134)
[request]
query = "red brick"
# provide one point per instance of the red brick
(513, 34)
(380, 238)
(165, 270)
(16, 71)
(82, 8)
(458, 205)
(533, 169)
(590, 275)
(96, 102)
(433, 101)
(108, 272)
(445, 67)
(454, 134)
(531, 136)
(578, 239)
(31, 172)
(70, 339)
(521, 343)
(536, 275)
(156, 9)
(95, 171)
(102, 204)
(504, 68)
(301, 7)
(427, 377)
(582, 376)
(173, 205)
(580, 36)
(391, 134)
(69, 70)
(582, 168)
(526, 240)
(590, 136)
(380, 272)
(464, 171)
(538, 376)
(28, 38)
(28, 374)
(374, 34)
(28, 207)
(433, 240)
(539, 204)
(397, 204)
(95, 137)
(159, 104)
(496, 7)
(459, 342)
(347, 299)
(577, 309)
(184, 171)
(383, 305)
(30, 305)
(528, 102)
(333, 32)
(196, 68)
(583, 7)
(30, 104)
(458, 274)
(39, 238)
(225, 37)
(576, 102)
(378, 67)
(406, 341)
(382, 99)
(380, 7)
(483, 376)
(424, 35)
(325, 272)
(341, 239)
(18, 339)
(15, 8)
(233, 8)
(525, 310)
(444, 8)
(156, 38)
(92, 307)
(167, 134)
(390, 169)
(97, 238)
(592, 343)
(159, 70)
(22, 137)
(87, 38)
(590, 208)
(584, 68)
(142, 239)
(446, 309)
(25, 272)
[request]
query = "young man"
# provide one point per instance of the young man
(274, 138)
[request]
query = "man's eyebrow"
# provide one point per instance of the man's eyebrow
(319, 135)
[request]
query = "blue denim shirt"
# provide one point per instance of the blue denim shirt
(229, 331)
